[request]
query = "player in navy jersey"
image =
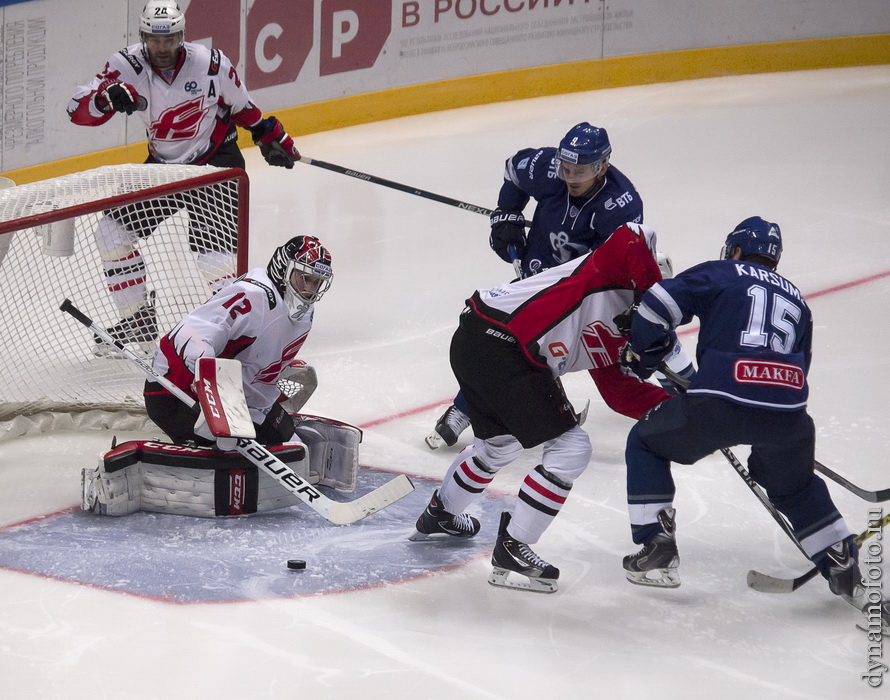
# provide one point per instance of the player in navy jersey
(580, 200)
(753, 356)
(190, 99)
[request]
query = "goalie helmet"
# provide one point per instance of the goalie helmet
(301, 270)
(754, 236)
(162, 17)
(584, 144)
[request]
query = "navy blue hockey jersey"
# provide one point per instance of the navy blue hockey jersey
(755, 342)
(564, 227)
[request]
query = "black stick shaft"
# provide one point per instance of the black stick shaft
(416, 191)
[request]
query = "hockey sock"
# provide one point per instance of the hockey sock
(466, 478)
(541, 497)
(125, 272)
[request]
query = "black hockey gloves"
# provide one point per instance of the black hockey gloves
(623, 320)
(115, 96)
(644, 362)
(507, 229)
(275, 145)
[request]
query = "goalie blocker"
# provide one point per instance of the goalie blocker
(200, 481)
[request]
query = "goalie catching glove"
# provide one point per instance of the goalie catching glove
(115, 96)
(275, 145)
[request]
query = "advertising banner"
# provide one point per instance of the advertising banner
(295, 52)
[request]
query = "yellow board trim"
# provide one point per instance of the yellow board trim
(523, 83)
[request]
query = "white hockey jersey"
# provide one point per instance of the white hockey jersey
(563, 316)
(190, 109)
(247, 321)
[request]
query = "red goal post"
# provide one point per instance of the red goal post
(189, 225)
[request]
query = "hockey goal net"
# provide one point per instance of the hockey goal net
(101, 238)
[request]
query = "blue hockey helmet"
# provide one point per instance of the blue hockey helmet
(754, 236)
(583, 145)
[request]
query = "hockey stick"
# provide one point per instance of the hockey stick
(514, 257)
(739, 468)
(870, 496)
(417, 192)
(338, 513)
(773, 584)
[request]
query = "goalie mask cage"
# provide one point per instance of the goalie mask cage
(174, 214)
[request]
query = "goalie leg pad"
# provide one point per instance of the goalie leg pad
(180, 480)
(117, 493)
(333, 451)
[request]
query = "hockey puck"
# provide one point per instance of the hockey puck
(296, 564)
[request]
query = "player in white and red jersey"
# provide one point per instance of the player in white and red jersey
(190, 100)
(262, 319)
(512, 344)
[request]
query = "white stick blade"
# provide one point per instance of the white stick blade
(769, 584)
(378, 499)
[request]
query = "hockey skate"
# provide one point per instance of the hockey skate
(656, 563)
(844, 577)
(137, 332)
(448, 428)
(437, 523)
(517, 566)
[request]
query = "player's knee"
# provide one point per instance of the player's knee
(498, 451)
(567, 456)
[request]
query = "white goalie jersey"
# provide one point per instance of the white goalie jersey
(189, 110)
(229, 326)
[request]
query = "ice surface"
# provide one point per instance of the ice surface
(810, 150)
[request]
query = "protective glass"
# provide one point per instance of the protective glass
(307, 286)
(574, 173)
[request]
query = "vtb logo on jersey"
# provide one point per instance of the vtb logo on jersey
(602, 344)
(179, 123)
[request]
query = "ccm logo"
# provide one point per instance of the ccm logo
(210, 396)
(236, 489)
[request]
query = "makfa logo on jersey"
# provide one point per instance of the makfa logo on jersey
(621, 201)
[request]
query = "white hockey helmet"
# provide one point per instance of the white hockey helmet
(162, 17)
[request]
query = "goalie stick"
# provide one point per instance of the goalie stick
(336, 512)
(774, 584)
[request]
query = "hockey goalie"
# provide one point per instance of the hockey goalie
(186, 479)
(236, 355)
